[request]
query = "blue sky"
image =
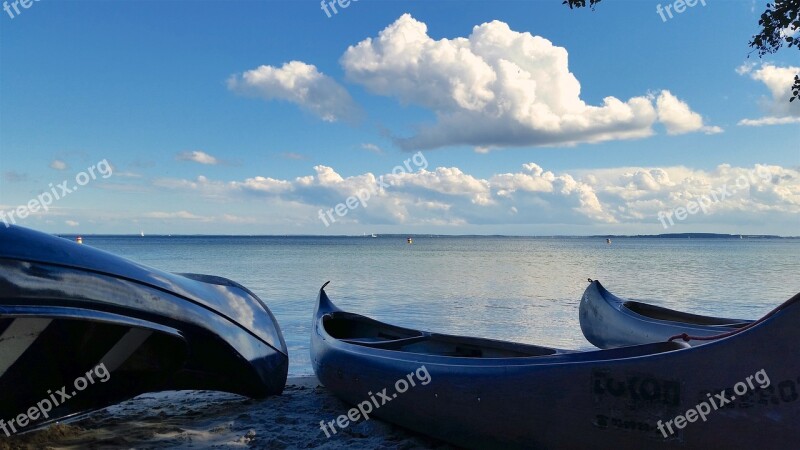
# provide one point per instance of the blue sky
(252, 116)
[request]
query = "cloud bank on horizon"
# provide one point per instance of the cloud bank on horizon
(447, 196)
(619, 199)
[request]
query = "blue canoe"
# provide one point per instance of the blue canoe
(483, 393)
(608, 321)
(81, 329)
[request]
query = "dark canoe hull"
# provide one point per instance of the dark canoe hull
(608, 321)
(600, 399)
(68, 309)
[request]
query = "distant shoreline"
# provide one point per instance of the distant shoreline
(430, 235)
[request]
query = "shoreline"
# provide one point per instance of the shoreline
(204, 419)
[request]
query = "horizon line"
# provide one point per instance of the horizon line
(666, 235)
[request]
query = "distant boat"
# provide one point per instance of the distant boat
(740, 237)
(374, 235)
(141, 233)
(410, 241)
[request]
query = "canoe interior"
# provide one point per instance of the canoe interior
(359, 330)
(669, 315)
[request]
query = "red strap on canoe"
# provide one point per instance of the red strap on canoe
(687, 338)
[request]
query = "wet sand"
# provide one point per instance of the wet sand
(203, 419)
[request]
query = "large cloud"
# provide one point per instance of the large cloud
(778, 80)
(299, 83)
(499, 88)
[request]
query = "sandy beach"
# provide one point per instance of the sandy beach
(203, 419)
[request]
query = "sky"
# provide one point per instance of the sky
(449, 117)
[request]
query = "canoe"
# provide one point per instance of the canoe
(81, 329)
(482, 393)
(608, 321)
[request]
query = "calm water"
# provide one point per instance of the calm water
(518, 289)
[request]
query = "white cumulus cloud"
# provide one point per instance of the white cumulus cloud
(779, 81)
(298, 83)
(372, 148)
(198, 157)
(185, 215)
(678, 118)
(499, 88)
(57, 164)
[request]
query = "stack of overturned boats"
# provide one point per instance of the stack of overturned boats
(644, 390)
(81, 329)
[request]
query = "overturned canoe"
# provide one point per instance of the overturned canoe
(608, 321)
(482, 393)
(81, 329)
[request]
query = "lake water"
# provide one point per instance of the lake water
(511, 288)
